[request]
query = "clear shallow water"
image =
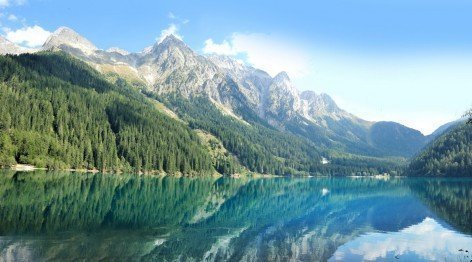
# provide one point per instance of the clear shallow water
(67, 216)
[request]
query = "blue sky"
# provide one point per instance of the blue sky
(406, 61)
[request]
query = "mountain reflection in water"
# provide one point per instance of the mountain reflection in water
(71, 216)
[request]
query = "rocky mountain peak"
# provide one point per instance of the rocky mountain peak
(329, 103)
(282, 77)
(118, 50)
(311, 96)
(171, 46)
(65, 36)
(319, 105)
(171, 41)
(147, 50)
(8, 47)
(283, 98)
(232, 66)
(308, 95)
(281, 83)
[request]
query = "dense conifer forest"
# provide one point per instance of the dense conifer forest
(56, 112)
(263, 149)
(448, 155)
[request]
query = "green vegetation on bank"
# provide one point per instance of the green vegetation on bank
(449, 155)
(57, 112)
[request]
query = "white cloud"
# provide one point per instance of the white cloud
(225, 48)
(31, 36)
(171, 30)
(272, 54)
(5, 3)
(177, 19)
(12, 17)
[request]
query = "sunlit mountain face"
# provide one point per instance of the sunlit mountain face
(62, 216)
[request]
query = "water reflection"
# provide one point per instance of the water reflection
(62, 216)
(426, 241)
(450, 199)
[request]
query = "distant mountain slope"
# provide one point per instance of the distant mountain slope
(440, 130)
(449, 155)
(396, 139)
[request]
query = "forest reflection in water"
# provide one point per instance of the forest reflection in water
(55, 215)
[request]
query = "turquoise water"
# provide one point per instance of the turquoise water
(73, 216)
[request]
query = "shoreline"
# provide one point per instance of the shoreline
(32, 168)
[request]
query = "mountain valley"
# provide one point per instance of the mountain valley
(264, 123)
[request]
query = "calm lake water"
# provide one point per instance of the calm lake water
(71, 216)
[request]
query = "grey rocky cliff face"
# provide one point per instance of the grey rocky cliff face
(118, 51)
(171, 66)
(314, 105)
(283, 99)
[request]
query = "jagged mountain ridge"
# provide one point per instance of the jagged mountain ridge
(171, 67)
(161, 65)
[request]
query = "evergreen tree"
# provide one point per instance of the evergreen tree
(448, 155)
(57, 112)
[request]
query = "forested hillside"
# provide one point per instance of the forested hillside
(396, 139)
(449, 155)
(264, 149)
(57, 112)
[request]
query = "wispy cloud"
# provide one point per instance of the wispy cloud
(173, 29)
(12, 17)
(177, 19)
(225, 48)
(270, 53)
(5, 3)
(30, 36)
(171, 15)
